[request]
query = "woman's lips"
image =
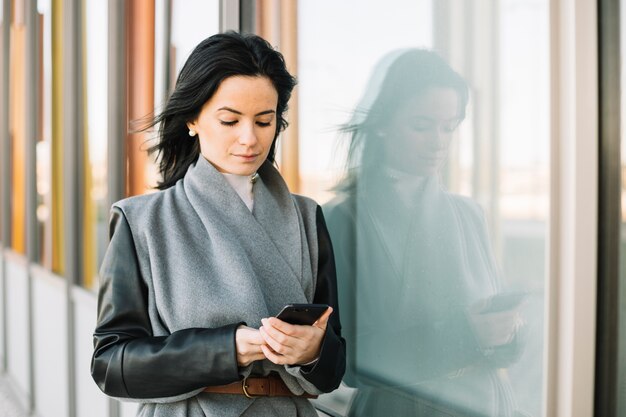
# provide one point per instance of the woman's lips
(247, 157)
(436, 157)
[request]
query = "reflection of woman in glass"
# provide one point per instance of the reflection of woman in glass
(429, 329)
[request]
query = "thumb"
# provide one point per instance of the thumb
(322, 322)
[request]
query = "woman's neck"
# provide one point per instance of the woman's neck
(243, 185)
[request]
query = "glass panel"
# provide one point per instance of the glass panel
(428, 147)
(44, 136)
(17, 125)
(95, 139)
(330, 84)
(191, 22)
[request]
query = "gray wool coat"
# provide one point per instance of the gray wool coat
(184, 268)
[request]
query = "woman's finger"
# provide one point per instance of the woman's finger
(249, 335)
(284, 327)
(276, 345)
(248, 342)
(257, 356)
(300, 346)
(322, 322)
(283, 332)
(273, 357)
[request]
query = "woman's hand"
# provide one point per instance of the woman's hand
(291, 344)
(497, 328)
(248, 342)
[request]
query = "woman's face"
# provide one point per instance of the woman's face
(236, 126)
(419, 133)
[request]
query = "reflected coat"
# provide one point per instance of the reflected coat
(411, 260)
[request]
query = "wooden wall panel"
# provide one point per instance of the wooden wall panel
(290, 141)
(278, 24)
(17, 126)
(58, 252)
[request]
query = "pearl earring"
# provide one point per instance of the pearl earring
(192, 133)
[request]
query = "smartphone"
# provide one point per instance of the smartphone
(304, 314)
(504, 301)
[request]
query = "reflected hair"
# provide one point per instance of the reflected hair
(211, 62)
(398, 77)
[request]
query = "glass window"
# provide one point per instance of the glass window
(428, 147)
(191, 22)
(95, 139)
(330, 84)
(44, 136)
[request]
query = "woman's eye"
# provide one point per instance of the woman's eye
(226, 123)
(422, 126)
(264, 124)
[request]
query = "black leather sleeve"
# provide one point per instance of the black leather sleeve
(128, 360)
(327, 372)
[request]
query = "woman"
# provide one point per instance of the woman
(195, 273)
(418, 279)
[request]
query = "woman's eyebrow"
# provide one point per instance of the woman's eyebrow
(451, 119)
(240, 113)
(424, 118)
(230, 110)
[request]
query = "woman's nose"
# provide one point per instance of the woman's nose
(439, 139)
(247, 136)
(435, 137)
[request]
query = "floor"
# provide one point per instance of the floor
(9, 405)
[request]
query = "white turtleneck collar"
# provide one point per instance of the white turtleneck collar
(243, 186)
(404, 180)
(405, 184)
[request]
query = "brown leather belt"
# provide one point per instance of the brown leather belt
(257, 386)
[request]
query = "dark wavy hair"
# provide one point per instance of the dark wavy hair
(211, 62)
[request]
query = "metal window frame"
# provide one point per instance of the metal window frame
(162, 54)
(570, 332)
(229, 15)
(116, 116)
(73, 170)
(5, 164)
(609, 210)
(30, 166)
(248, 16)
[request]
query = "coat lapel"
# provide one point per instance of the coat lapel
(276, 213)
(269, 252)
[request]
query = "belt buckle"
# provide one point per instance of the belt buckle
(245, 391)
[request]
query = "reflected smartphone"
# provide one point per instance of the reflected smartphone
(303, 314)
(505, 301)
